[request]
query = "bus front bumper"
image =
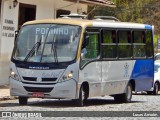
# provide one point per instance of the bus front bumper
(63, 90)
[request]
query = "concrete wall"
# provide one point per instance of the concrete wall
(9, 23)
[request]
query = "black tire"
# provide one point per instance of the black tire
(80, 100)
(156, 88)
(149, 92)
(23, 100)
(125, 97)
(118, 98)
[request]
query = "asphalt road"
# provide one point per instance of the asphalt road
(93, 107)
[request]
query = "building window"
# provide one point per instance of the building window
(62, 12)
(27, 12)
(0, 8)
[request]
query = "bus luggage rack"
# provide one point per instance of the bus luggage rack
(109, 18)
(38, 89)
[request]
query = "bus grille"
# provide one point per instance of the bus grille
(38, 89)
(49, 79)
(43, 79)
(30, 78)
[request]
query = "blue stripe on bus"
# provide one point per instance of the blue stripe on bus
(148, 27)
(143, 74)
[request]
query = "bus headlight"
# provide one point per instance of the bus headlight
(14, 75)
(67, 76)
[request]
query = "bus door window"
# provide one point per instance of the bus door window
(90, 51)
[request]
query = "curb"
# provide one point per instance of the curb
(8, 98)
(5, 88)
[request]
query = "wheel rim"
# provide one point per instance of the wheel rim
(83, 94)
(129, 92)
(156, 88)
(81, 97)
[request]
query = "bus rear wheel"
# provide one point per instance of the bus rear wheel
(149, 92)
(156, 88)
(125, 97)
(23, 100)
(155, 91)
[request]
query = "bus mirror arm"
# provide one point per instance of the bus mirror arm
(85, 42)
(16, 34)
(83, 53)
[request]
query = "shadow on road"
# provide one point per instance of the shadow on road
(72, 103)
(145, 93)
(52, 103)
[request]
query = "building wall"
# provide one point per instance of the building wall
(9, 23)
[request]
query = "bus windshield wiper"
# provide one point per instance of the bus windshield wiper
(54, 50)
(35, 47)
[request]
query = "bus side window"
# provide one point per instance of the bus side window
(124, 44)
(113, 36)
(139, 44)
(109, 44)
(149, 43)
(129, 36)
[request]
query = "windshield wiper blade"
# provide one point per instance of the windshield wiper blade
(54, 50)
(36, 45)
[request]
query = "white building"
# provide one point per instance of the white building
(14, 15)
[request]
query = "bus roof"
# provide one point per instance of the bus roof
(92, 23)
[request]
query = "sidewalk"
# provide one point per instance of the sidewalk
(5, 93)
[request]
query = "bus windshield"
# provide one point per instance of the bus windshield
(47, 43)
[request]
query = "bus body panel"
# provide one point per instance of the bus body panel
(115, 75)
(59, 88)
(104, 79)
(143, 74)
(92, 74)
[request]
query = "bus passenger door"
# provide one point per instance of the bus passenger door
(90, 65)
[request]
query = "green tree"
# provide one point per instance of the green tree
(141, 11)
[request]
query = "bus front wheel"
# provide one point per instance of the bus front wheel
(80, 100)
(23, 100)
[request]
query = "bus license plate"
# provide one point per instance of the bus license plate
(38, 94)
